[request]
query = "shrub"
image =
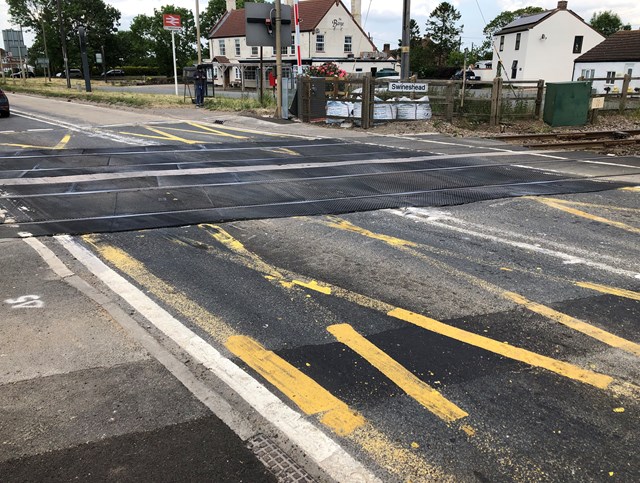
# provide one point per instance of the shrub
(328, 69)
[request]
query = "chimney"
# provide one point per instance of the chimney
(356, 10)
(231, 5)
(562, 5)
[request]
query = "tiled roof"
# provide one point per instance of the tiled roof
(232, 24)
(623, 46)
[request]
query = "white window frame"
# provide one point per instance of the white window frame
(238, 47)
(348, 44)
(611, 77)
(255, 51)
(222, 46)
(320, 43)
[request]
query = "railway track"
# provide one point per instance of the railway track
(574, 139)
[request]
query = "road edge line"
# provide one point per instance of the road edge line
(327, 454)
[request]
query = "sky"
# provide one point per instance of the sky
(382, 19)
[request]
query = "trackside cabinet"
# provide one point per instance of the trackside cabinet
(567, 103)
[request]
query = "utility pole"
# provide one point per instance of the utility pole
(46, 50)
(198, 32)
(278, 60)
(82, 33)
(406, 40)
(63, 42)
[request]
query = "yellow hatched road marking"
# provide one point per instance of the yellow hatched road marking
(307, 394)
(215, 131)
(253, 261)
(618, 292)
(165, 136)
(63, 142)
(588, 205)
(565, 369)
(588, 216)
(405, 380)
(576, 324)
(251, 131)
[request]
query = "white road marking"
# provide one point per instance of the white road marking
(480, 231)
(240, 169)
(87, 130)
(324, 451)
(610, 164)
(26, 302)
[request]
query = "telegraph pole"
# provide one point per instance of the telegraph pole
(278, 60)
(63, 42)
(406, 40)
(198, 31)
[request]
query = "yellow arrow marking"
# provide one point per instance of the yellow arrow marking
(405, 380)
(307, 394)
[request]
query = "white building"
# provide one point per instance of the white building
(328, 31)
(616, 56)
(543, 45)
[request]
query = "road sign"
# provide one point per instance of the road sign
(42, 61)
(171, 21)
(407, 87)
(261, 25)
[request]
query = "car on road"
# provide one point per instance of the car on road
(387, 73)
(469, 75)
(115, 73)
(5, 110)
(73, 74)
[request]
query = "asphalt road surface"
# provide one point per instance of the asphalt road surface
(440, 309)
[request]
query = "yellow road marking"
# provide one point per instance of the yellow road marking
(307, 394)
(215, 131)
(588, 205)
(282, 151)
(631, 188)
(250, 131)
(618, 292)
(63, 142)
(405, 380)
(346, 226)
(24, 146)
(588, 216)
(135, 269)
(602, 381)
(576, 324)
(565, 369)
(165, 136)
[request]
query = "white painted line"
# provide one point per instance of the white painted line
(48, 256)
(324, 451)
(610, 164)
(236, 169)
(87, 130)
(585, 258)
(39, 130)
(7, 132)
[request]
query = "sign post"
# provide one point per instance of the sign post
(173, 22)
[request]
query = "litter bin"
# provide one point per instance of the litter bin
(567, 103)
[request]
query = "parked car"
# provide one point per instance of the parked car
(115, 73)
(469, 74)
(73, 74)
(5, 111)
(387, 73)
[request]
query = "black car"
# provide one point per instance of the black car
(469, 74)
(115, 73)
(4, 105)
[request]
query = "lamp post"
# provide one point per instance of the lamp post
(198, 32)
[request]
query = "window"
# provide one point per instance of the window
(348, 40)
(293, 44)
(588, 73)
(611, 77)
(238, 53)
(514, 69)
(223, 49)
(251, 73)
(284, 50)
(518, 37)
(501, 43)
(577, 44)
(320, 43)
(238, 73)
(254, 51)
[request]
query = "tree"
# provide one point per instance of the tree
(443, 31)
(40, 16)
(150, 40)
(607, 23)
(499, 23)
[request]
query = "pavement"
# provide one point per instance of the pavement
(86, 395)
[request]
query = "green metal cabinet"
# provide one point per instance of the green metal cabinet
(567, 103)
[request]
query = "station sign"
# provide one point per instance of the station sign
(407, 87)
(171, 21)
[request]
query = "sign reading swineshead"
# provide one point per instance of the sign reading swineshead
(407, 87)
